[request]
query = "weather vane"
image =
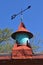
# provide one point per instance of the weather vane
(13, 16)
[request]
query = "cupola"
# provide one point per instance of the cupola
(22, 35)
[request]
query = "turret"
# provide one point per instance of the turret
(22, 46)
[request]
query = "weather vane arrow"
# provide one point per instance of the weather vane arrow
(13, 16)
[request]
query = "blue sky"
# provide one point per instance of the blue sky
(33, 18)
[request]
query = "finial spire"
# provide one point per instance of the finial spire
(21, 16)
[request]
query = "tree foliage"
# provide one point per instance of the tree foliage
(7, 48)
(35, 43)
(5, 38)
(5, 35)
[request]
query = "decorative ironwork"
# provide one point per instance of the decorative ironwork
(13, 16)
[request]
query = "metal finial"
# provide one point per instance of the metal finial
(21, 15)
